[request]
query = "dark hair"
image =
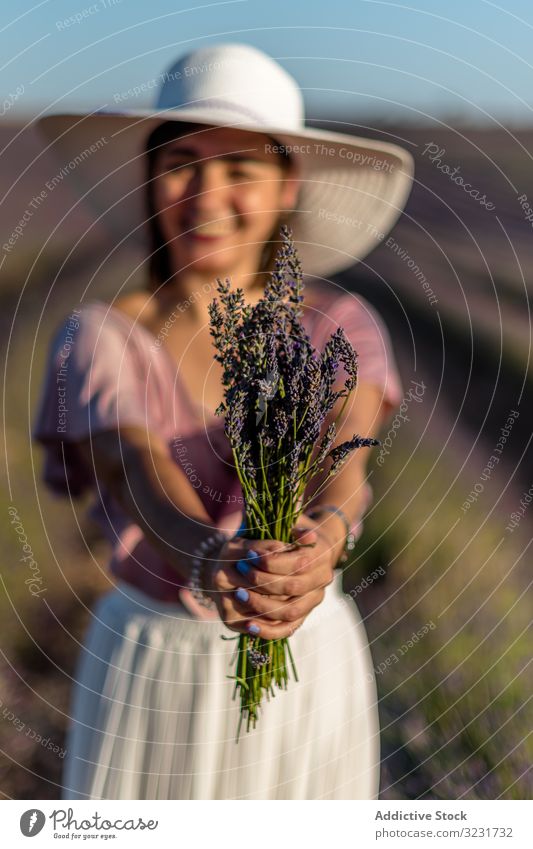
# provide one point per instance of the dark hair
(159, 268)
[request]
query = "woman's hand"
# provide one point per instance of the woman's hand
(267, 588)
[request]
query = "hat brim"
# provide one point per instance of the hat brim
(352, 189)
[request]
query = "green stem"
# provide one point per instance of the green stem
(264, 475)
(279, 530)
(317, 491)
(246, 488)
(292, 660)
(303, 418)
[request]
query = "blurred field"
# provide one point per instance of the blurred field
(455, 706)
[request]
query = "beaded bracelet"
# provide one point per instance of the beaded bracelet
(199, 556)
(349, 544)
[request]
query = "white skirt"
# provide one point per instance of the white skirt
(153, 715)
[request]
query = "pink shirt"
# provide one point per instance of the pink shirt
(103, 369)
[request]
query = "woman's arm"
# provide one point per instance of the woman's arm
(364, 416)
(139, 472)
(136, 468)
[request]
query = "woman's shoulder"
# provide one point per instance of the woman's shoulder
(141, 308)
(98, 332)
(107, 320)
(135, 305)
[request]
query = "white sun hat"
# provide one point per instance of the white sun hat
(352, 189)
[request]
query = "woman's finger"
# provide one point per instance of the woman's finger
(291, 585)
(229, 576)
(287, 573)
(262, 607)
(224, 572)
(289, 562)
(233, 618)
(270, 555)
(237, 548)
(304, 535)
(254, 627)
(272, 630)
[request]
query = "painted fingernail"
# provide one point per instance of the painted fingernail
(253, 556)
(253, 629)
(242, 594)
(241, 530)
(243, 567)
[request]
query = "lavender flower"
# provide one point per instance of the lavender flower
(326, 443)
(340, 454)
(279, 396)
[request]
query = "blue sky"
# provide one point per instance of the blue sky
(461, 58)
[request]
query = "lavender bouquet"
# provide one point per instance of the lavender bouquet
(278, 392)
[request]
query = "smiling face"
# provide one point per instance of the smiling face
(219, 193)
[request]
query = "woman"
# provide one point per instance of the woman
(227, 159)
